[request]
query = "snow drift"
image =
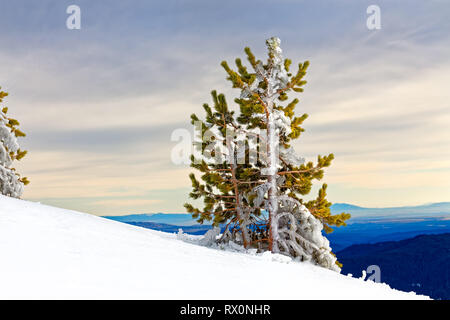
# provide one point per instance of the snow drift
(52, 253)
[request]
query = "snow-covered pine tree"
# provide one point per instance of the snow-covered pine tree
(295, 228)
(276, 182)
(11, 184)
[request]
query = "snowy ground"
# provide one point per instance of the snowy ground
(52, 253)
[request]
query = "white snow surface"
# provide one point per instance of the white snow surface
(53, 253)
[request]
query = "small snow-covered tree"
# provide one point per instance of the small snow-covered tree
(11, 184)
(279, 178)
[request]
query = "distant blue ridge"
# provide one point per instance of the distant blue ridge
(420, 264)
(182, 219)
(367, 225)
(433, 210)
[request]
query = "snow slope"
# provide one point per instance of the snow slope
(52, 253)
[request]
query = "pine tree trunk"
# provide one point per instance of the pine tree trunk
(239, 212)
(272, 142)
(242, 219)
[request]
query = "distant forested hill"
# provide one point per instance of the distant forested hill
(420, 264)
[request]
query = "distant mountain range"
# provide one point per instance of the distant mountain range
(370, 230)
(179, 219)
(420, 264)
(434, 210)
(367, 225)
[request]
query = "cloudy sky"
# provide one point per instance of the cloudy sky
(99, 104)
